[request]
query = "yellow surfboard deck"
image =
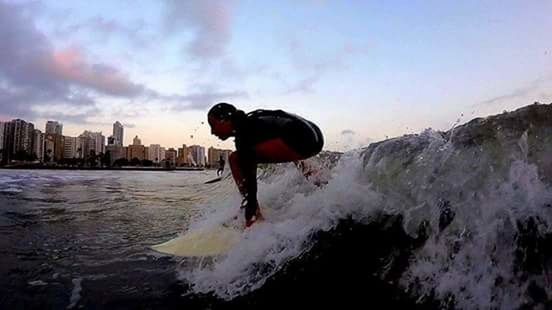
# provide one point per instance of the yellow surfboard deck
(206, 242)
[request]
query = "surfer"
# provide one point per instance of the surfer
(221, 165)
(262, 136)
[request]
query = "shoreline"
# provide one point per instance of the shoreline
(100, 169)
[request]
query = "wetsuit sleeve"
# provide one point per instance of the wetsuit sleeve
(248, 167)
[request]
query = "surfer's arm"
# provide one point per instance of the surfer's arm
(248, 168)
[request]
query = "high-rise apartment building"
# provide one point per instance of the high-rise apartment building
(115, 152)
(170, 157)
(90, 141)
(214, 156)
(183, 156)
(118, 134)
(53, 127)
(136, 150)
(70, 146)
(53, 147)
(2, 127)
(38, 145)
(154, 153)
(162, 154)
(18, 139)
(197, 152)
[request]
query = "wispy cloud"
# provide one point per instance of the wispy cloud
(535, 90)
(135, 32)
(203, 100)
(208, 21)
(313, 70)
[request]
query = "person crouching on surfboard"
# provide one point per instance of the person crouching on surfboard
(262, 136)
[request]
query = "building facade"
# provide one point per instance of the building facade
(214, 155)
(91, 141)
(17, 140)
(2, 131)
(38, 145)
(136, 141)
(70, 146)
(2, 125)
(53, 127)
(154, 153)
(183, 156)
(53, 147)
(115, 152)
(170, 157)
(118, 134)
(197, 153)
(136, 150)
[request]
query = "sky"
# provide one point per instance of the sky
(362, 70)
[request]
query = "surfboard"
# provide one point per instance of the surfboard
(205, 242)
(213, 180)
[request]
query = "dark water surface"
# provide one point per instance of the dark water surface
(74, 239)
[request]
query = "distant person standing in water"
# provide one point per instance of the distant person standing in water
(262, 136)
(221, 165)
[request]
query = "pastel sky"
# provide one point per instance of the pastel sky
(362, 70)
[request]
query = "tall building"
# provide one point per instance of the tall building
(2, 126)
(38, 144)
(54, 127)
(170, 157)
(214, 156)
(183, 156)
(116, 152)
(136, 150)
(154, 153)
(197, 152)
(90, 141)
(162, 154)
(53, 147)
(136, 141)
(18, 139)
(118, 134)
(70, 147)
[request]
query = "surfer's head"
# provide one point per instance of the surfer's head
(220, 118)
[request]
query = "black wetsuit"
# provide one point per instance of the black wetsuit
(301, 135)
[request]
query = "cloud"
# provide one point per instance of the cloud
(314, 70)
(348, 132)
(36, 78)
(209, 21)
(521, 93)
(203, 100)
(105, 28)
(69, 66)
(33, 72)
(537, 90)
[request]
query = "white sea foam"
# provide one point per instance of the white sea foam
(292, 216)
(488, 189)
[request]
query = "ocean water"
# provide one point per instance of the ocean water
(437, 220)
(71, 239)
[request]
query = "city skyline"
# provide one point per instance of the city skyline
(362, 71)
(21, 141)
